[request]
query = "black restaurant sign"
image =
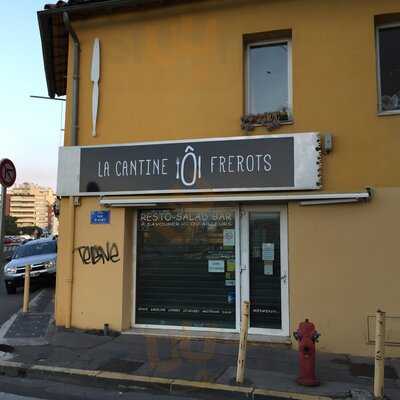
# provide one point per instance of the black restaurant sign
(226, 164)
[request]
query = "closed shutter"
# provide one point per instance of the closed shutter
(175, 284)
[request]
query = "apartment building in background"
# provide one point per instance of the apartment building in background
(32, 205)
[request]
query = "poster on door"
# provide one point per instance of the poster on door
(268, 251)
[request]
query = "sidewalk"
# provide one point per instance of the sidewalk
(194, 360)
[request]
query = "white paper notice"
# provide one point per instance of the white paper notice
(268, 252)
(268, 268)
(216, 265)
(229, 237)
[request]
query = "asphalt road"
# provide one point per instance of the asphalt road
(9, 304)
(35, 389)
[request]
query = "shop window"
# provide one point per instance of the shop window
(268, 80)
(185, 273)
(388, 50)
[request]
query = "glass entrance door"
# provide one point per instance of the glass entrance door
(264, 275)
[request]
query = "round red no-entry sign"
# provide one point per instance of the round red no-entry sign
(8, 173)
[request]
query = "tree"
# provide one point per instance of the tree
(10, 225)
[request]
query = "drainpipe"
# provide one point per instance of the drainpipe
(69, 273)
(75, 80)
(73, 142)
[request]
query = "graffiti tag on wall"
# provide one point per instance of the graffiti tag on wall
(94, 254)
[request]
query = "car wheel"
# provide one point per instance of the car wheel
(11, 289)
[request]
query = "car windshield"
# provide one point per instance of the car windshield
(36, 249)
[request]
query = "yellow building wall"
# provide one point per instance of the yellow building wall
(343, 266)
(177, 73)
(99, 288)
(63, 260)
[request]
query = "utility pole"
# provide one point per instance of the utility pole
(2, 220)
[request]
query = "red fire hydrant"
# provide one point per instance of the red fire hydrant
(306, 335)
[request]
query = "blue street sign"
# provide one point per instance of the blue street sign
(100, 217)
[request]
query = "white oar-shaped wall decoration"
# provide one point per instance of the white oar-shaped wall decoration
(95, 77)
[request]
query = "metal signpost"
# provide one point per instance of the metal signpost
(8, 175)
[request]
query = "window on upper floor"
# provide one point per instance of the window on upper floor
(388, 52)
(269, 78)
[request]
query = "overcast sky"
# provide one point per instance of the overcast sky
(30, 129)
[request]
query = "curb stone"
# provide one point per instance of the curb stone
(74, 375)
(261, 394)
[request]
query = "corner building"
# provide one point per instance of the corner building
(223, 151)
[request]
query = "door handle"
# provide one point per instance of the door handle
(284, 278)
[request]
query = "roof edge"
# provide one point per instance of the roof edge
(47, 52)
(107, 5)
(79, 11)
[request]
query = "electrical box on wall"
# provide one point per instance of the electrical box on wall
(328, 143)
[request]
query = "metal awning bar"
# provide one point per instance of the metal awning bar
(303, 198)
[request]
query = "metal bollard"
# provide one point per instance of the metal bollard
(243, 343)
(27, 282)
(379, 355)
